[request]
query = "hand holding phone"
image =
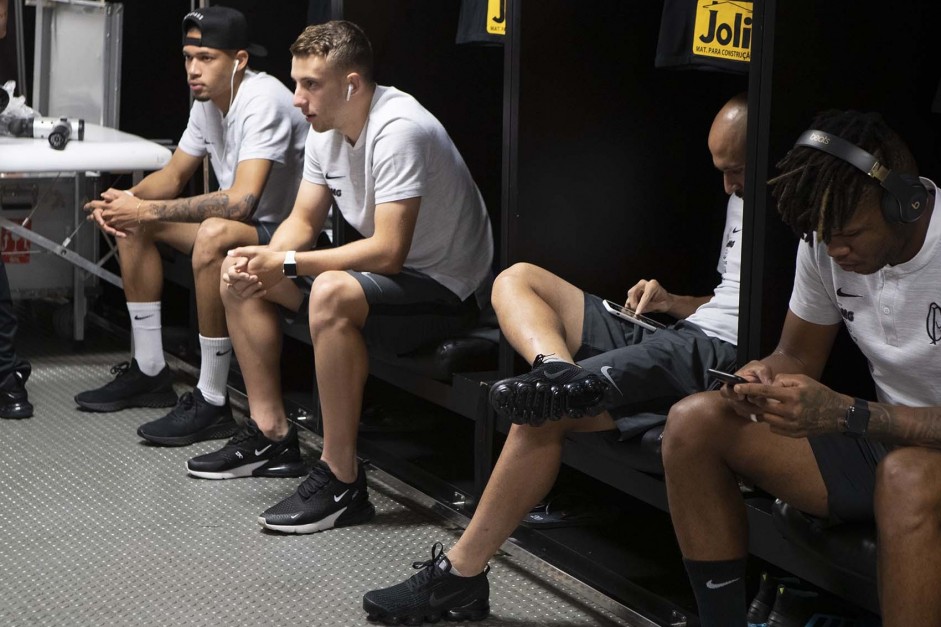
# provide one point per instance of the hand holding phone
(726, 377)
(631, 316)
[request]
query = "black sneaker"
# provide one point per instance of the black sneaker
(551, 390)
(760, 607)
(321, 502)
(14, 401)
(250, 454)
(805, 608)
(431, 594)
(192, 420)
(130, 388)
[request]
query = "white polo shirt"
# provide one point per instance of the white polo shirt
(893, 315)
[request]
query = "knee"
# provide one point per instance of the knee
(209, 246)
(508, 283)
(693, 425)
(908, 494)
(332, 298)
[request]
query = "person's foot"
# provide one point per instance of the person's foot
(250, 454)
(14, 401)
(192, 420)
(432, 593)
(130, 388)
(760, 607)
(551, 390)
(321, 502)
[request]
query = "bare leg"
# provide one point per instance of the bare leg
(338, 311)
(525, 472)
(255, 328)
(538, 312)
(215, 237)
(705, 448)
(908, 509)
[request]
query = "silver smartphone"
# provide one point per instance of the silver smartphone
(631, 316)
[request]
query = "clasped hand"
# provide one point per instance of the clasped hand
(793, 405)
(117, 213)
(250, 271)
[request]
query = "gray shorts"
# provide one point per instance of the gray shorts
(848, 466)
(648, 370)
(407, 310)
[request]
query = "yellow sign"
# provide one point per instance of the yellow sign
(496, 17)
(723, 29)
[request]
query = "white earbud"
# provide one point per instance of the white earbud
(235, 67)
(349, 91)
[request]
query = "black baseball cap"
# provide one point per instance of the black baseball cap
(223, 28)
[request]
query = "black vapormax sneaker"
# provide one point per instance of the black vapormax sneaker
(192, 420)
(321, 502)
(14, 401)
(551, 390)
(431, 594)
(250, 454)
(130, 388)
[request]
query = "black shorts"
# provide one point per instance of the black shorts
(848, 466)
(648, 370)
(407, 310)
(264, 230)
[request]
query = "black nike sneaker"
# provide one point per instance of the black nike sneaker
(551, 390)
(14, 401)
(321, 502)
(250, 454)
(130, 388)
(192, 420)
(431, 594)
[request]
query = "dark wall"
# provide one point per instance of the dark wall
(614, 178)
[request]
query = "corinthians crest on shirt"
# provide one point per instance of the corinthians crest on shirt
(933, 323)
(723, 29)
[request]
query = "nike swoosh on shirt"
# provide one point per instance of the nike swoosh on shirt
(736, 230)
(840, 292)
(335, 176)
(721, 584)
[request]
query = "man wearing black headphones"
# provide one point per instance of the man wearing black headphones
(254, 137)
(872, 262)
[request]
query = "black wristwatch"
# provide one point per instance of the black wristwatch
(290, 265)
(856, 420)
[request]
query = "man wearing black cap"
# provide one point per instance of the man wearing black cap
(254, 137)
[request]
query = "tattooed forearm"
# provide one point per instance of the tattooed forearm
(914, 426)
(215, 205)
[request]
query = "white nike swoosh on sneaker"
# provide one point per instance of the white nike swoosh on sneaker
(604, 373)
(259, 452)
(721, 584)
(293, 516)
(337, 497)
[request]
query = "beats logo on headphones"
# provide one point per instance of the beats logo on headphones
(904, 196)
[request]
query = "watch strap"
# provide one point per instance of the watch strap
(856, 420)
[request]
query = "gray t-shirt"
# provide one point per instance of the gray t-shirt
(262, 123)
(404, 152)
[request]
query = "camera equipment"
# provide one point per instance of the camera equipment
(58, 130)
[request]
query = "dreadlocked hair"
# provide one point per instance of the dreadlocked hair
(817, 192)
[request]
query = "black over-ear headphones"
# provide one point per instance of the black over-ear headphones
(904, 197)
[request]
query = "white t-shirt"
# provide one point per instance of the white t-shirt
(893, 315)
(719, 316)
(404, 152)
(262, 123)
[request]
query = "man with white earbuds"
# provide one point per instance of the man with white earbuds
(388, 166)
(245, 123)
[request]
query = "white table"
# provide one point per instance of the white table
(103, 150)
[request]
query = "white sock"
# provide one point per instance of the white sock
(454, 571)
(214, 368)
(553, 357)
(145, 333)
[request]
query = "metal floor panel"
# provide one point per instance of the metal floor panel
(98, 528)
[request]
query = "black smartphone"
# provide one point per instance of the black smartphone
(726, 377)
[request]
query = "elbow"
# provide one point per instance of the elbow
(245, 208)
(391, 263)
